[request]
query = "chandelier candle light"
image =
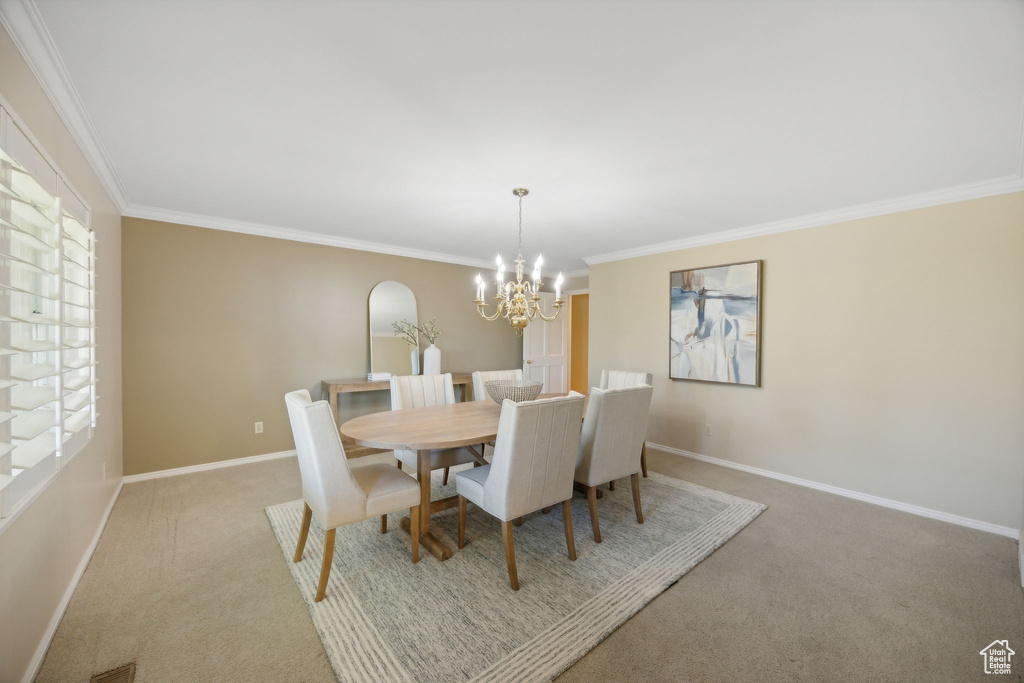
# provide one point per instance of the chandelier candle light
(519, 301)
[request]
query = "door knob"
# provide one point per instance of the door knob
(529, 362)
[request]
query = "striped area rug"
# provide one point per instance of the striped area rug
(386, 619)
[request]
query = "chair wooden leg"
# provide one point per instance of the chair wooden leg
(592, 501)
(510, 554)
(462, 522)
(414, 531)
(546, 510)
(519, 521)
(307, 514)
(611, 485)
(643, 459)
(383, 524)
(567, 521)
(325, 568)
(636, 499)
(444, 480)
(582, 488)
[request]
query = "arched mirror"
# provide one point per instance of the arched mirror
(391, 351)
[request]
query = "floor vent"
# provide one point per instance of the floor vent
(122, 674)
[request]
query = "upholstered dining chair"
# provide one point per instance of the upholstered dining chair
(613, 430)
(534, 457)
(480, 380)
(421, 391)
(620, 379)
(482, 377)
(337, 494)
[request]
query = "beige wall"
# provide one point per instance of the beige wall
(892, 356)
(41, 549)
(576, 283)
(219, 325)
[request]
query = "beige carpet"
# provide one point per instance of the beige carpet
(188, 581)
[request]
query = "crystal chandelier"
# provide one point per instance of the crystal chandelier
(519, 301)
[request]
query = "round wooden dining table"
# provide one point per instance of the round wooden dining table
(471, 424)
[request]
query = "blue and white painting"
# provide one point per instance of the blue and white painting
(715, 323)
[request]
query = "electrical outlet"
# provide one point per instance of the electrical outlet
(259, 427)
(707, 429)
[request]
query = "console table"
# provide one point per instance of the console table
(330, 388)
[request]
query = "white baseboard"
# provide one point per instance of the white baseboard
(159, 474)
(51, 630)
(1020, 561)
(58, 614)
(856, 495)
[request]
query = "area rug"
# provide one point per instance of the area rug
(387, 619)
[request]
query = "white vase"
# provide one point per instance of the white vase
(431, 360)
(415, 356)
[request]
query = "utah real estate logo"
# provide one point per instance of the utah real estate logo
(997, 657)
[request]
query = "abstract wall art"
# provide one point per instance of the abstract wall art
(715, 324)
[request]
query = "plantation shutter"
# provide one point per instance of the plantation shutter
(47, 319)
(78, 334)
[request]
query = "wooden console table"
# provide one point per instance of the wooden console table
(330, 388)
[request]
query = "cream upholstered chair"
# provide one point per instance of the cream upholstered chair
(534, 457)
(620, 379)
(613, 430)
(421, 391)
(336, 493)
(481, 378)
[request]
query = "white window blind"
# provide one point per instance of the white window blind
(47, 319)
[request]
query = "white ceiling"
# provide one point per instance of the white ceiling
(632, 123)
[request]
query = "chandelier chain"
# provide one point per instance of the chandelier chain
(520, 224)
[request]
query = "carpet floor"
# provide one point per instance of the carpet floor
(187, 580)
(386, 619)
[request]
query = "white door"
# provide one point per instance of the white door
(544, 349)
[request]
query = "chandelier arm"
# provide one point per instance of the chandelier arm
(481, 307)
(554, 315)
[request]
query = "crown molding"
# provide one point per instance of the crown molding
(152, 213)
(959, 193)
(576, 273)
(261, 230)
(25, 25)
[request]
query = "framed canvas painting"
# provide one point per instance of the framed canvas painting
(715, 324)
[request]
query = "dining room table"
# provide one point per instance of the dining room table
(472, 424)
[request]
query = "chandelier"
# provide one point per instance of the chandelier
(519, 301)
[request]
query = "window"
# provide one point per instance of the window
(47, 319)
